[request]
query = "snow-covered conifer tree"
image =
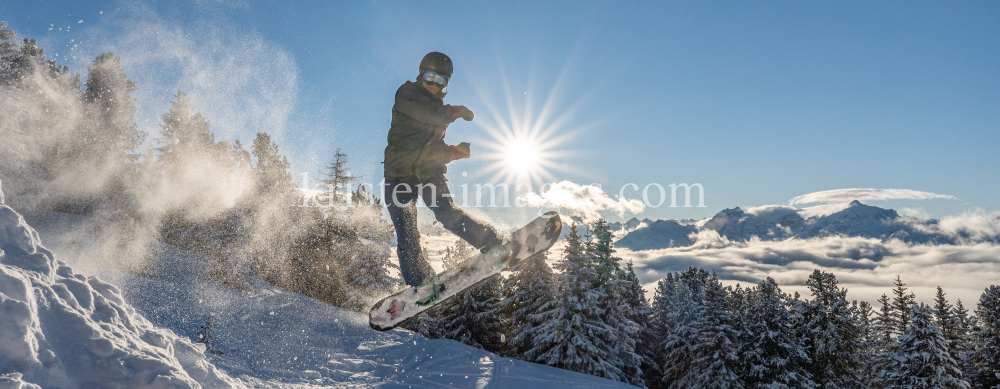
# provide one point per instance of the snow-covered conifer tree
(902, 306)
(640, 312)
(882, 342)
(679, 310)
(950, 326)
(529, 292)
(616, 308)
(773, 357)
(964, 324)
(716, 362)
(473, 317)
(831, 333)
(922, 360)
(368, 268)
(985, 356)
(574, 336)
(870, 366)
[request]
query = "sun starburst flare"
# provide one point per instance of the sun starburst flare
(523, 145)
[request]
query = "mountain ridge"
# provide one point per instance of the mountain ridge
(773, 223)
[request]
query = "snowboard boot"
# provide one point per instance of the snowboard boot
(491, 245)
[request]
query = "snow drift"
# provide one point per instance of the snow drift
(61, 329)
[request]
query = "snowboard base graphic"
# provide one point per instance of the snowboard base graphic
(535, 237)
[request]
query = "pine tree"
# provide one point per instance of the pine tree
(370, 268)
(529, 292)
(457, 253)
(659, 318)
(985, 357)
(922, 360)
(902, 307)
(361, 198)
(679, 310)
(426, 323)
(640, 312)
(473, 317)
(274, 180)
(338, 179)
(869, 363)
(773, 356)
(964, 332)
(574, 336)
(883, 342)
(107, 141)
(716, 362)
(184, 134)
(19, 61)
(950, 326)
(831, 333)
(611, 282)
(112, 133)
(663, 296)
(885, 322)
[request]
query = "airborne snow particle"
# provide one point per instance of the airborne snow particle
(81, 21)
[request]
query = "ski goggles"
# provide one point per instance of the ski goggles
(438, 79)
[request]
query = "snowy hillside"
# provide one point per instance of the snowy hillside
(61, 329)
(774, 223)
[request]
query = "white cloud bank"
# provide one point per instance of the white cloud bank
(865, 266)
(586, 201)
(863, 194)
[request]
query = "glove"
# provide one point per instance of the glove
(464, 113)
(465, 149)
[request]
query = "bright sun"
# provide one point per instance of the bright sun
(521, 156)
(523, 144)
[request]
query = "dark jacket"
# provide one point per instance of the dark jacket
(416, 137)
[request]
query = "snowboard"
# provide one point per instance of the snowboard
(533, 238)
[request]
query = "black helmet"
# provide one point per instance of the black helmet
(438, 63)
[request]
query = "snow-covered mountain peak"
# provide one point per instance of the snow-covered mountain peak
(856, 210)
(775, 222)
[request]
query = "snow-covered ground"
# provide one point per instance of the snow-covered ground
(62, 329)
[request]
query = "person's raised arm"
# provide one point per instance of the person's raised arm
(421, 108)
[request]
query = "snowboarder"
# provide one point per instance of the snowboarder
(415, 164)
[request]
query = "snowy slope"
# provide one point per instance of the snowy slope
(269, 338)
(61, 329)
(272, 338)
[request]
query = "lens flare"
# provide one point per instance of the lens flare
(522, 156)
(525, 139)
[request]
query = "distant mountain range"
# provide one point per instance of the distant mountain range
(780, 223)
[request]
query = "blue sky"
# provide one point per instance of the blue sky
(758, 102)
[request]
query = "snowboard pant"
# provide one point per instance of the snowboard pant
(400, 199)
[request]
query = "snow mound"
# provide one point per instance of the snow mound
(61, 329)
